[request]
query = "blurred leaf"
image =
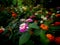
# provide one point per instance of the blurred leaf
(33, 25)
(19, 3)
(54, 28)
(36, 32)
(44, 40)
(5, 32)
(24, 38)
(47, 22)
(10, 36)
(14, 2)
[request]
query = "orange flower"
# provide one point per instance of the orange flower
(44, 27)
(50, 37)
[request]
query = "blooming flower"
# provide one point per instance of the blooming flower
(23, 27)
(44, 27)
(41, 21)
(50, 37)
(29, 20)
(58, 11)
(45, 18)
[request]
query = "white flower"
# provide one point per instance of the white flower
(41, 21)
(58, 11)
(36, 13)
(22, 20)
(53, 14)
(45, 18)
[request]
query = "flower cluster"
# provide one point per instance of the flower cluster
(43, 21)
(24, 26)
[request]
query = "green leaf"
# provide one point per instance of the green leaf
(54, 28)
(14, 2)
(43, 38)
(47, 22)
(5, 32)
(37, 32)
(19, 3)
(24, 38)
(10, 36)
(33, 25)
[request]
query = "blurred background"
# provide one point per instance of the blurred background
(44, 28)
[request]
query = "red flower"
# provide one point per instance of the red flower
(57, 15)
(14, 15)
(1, 31)
(57, 40)
(57, 23)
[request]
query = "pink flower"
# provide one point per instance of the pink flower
(29, 20)
(23, 27)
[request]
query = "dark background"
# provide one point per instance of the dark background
(47, 3)
(52, 3)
